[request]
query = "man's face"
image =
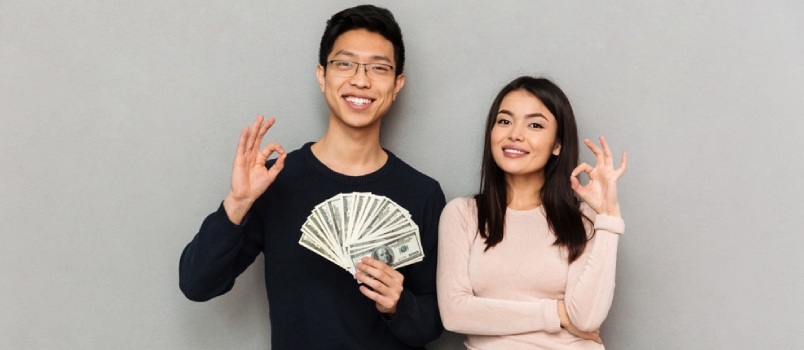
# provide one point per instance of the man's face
(360, 100)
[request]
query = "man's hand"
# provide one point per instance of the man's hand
(250, 178)
(386, 284)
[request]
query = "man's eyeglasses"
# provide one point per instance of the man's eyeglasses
(374, 71)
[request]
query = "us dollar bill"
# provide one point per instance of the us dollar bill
(391, 222)
(308, 228)
(334, 208)
(309, 242)
(403, 250)
(346, 214)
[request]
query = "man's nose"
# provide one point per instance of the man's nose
(361, 79)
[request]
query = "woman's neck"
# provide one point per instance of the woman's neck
(524, 191)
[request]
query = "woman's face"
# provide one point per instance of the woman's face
(524, 135)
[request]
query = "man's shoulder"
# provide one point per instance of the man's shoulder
(414, 176)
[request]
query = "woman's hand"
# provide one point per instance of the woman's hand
(601, 191)
(250, 177)
(566, 324)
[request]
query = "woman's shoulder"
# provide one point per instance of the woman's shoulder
(463, 201)
(464, 205)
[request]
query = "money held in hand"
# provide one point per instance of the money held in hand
(347, 227)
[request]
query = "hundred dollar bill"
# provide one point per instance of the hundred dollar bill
(391, 222)
(404, 250)
(325, 219)
(370, 243)
(384, 208)
(382, 213)
(363, 212)
(346, 211)
(309, 242)
(360, 204)
(310, 229)
(334, 208)
(319, 228)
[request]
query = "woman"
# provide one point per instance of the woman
(540, 274)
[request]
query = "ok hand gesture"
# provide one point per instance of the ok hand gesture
(250, 177)
(601, 191)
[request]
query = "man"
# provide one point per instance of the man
(313, 303)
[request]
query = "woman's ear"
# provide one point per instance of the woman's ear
(557, 149)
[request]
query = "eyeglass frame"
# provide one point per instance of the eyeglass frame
(365, 66)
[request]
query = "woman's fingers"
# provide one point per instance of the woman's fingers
(583, 167)
(600, 158)
(607, 151)
(622, 164)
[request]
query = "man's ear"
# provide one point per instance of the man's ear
(321, 76)
(557, 149)
(398, 84)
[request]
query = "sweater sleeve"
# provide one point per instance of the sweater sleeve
(417, 320)
(218, 253)
(590, 280)
(461, 310)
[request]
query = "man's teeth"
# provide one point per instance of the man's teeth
(358, 101)
(508, 150)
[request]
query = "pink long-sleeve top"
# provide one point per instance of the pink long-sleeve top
(506, 297)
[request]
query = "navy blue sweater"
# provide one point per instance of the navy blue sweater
(313, 303)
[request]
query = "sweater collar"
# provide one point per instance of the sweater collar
(346, 179)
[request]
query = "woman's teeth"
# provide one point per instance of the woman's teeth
(508, 150)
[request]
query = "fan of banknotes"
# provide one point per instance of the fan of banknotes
(347, 227)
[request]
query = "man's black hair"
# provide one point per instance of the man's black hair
(369, 17)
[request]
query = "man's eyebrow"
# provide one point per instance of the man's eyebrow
(345, 53)
(380, 58)
(354, 55)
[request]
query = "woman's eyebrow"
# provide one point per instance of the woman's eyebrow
(532, 115)
(536, 115)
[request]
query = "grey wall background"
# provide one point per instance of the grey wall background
(120, 119)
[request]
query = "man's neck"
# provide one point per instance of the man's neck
(350, 151)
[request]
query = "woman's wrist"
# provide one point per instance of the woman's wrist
(562, 314)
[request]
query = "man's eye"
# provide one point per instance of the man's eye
(343, 64)
(380, 69)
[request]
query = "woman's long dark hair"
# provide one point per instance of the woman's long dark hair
(562, 208)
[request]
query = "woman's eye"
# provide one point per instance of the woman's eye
(504, 121)
(536, 126)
